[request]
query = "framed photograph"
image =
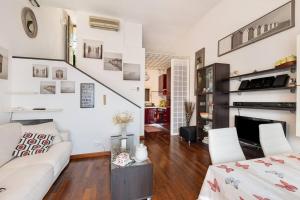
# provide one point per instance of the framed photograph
(67, 87)
(112, 61)
(3, 63)
(131, 72)
(40, 71)
(92, 49)
(276, 21)
(59, 73)
(48, 87)
(87, 95)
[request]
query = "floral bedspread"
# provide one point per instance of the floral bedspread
(270, 178)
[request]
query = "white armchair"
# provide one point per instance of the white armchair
(272, 139)
(224, 146)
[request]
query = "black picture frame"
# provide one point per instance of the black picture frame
(87, 95)
(236, 40)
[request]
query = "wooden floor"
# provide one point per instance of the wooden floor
(178, 172)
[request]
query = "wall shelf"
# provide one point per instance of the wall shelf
(263, 72)
(264, 108)
(23, 93)
(292, 89)
(207, 93)
(207, 119)
(33, 111)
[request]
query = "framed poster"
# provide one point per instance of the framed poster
(92, 49)
(3, 63)
(276, 21)
(131, 72)
(87, 95)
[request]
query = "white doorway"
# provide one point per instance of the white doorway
(179, 93)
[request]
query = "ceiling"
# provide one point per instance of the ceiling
(158, 61)
(164, 21)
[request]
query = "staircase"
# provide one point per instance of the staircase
(90, 128)
(86, 74)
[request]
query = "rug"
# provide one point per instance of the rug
(153, 129)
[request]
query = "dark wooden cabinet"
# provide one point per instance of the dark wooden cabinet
(162, 85)
(132, 182)
(169, 86)
(168, 115)
(150, 115)
(157, 115)
(212, 108)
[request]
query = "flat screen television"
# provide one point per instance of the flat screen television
(248, 128)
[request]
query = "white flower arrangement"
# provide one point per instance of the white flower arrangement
(122, 118)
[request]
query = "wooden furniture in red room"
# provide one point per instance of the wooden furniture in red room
(162, 84)
(169, 86)
(150, 115)
(157, 115)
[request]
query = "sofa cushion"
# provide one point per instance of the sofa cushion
(44, 128)
(10, 136)
(30, 183)
(57, 156)
(31, 144)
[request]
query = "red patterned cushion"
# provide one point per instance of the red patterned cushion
(32, 143)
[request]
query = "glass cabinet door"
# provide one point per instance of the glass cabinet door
(205, 80)
(209, 74)
(200, 81)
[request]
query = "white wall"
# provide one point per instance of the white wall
(49, 42)
(87, 126)
(5, 97)
(153, 85)
(227, 17)
(128, 41)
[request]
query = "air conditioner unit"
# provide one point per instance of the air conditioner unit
(104, 23)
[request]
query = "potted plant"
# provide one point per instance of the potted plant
(123, 119)
(189, 108)
(188, 132)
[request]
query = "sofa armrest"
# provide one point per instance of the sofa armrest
(65, 136)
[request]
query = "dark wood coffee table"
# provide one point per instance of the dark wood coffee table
(132, 182)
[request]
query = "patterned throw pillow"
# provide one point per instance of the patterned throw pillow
(31, 144)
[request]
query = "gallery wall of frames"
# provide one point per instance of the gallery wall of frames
(50, 75)
(111, 61)
(83, 109)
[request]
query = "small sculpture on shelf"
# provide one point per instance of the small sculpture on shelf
(286, 62)
(292, 82)
(122, 159)
(141, 153)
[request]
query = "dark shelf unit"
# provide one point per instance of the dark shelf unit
(263, 72)
(264, 108)
(292, 68)
(216, 100)
(204, 94)
(292, 89)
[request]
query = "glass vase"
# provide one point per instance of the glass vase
(123, 130)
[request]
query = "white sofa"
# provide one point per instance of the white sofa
(29, 177)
